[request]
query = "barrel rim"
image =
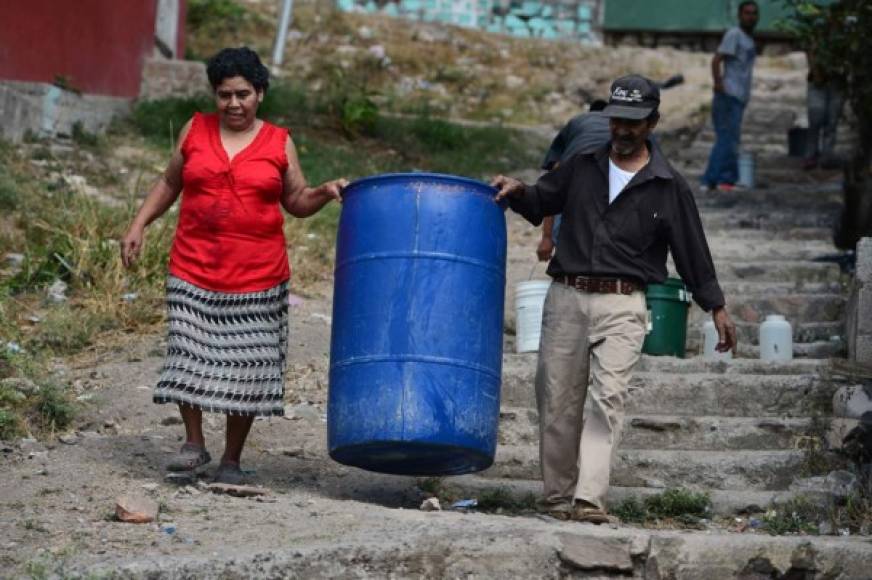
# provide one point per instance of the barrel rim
(357, 183)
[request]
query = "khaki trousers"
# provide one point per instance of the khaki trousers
(584, 336)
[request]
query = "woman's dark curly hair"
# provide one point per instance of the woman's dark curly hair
(237, 62)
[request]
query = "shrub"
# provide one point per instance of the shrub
(54, 410)
(160, 120)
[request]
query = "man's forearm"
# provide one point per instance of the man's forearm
(717, 78)
(548, 227)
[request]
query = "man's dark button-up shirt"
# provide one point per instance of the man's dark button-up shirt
(630, 237)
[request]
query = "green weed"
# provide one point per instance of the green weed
(631, 510)
(9, 192)
(796, 516)
(67, 330)
(205, 12)
(9, 424)
(681, 505)
(678, 502)
(214, 24)
(84, 138)
(160, 120)
(54, 409)
(432, 486)
(502, 500)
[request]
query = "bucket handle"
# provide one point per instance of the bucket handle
(533, 270)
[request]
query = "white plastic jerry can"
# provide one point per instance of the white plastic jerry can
(710, 341)
(776, 339)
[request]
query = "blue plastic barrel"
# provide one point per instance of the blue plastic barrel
(417, 337)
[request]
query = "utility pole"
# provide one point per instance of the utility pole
(282, 33)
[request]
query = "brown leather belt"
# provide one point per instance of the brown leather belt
(599, 285)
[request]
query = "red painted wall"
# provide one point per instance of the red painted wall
(183, 19)
(98, 45)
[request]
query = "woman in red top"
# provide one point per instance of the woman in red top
(228, 272)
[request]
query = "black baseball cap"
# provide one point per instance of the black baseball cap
(632, 97)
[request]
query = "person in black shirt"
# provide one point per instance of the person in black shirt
(583, 133)
(624, 207)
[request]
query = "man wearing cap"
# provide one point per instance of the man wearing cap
(623, 207)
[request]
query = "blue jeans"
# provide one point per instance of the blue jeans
(723, 164)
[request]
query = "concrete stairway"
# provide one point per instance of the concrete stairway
(736, 429)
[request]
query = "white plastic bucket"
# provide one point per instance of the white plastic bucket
(746, 169)
(529, 300)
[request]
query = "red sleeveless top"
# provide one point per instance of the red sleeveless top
(229, 237)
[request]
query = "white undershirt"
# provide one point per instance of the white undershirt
(618, 180)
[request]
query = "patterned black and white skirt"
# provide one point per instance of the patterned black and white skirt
(225, 352)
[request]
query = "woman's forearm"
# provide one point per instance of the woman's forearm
(157, 202)
(306, 202)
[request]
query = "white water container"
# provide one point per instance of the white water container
(710, 341)
(746, 169)
(776, 339)
(529, 300)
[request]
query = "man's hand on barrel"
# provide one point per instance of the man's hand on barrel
(726, 330)
(508, 187)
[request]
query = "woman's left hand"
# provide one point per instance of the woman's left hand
(333, 189)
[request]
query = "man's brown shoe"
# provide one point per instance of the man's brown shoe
(583, 511)
(560, 510)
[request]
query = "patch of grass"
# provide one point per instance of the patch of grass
(160, 120)
(204, 12)
(434, 144)
(432, 486)
(215, 24)
(83, 137)
(9, 191)
(676, 505)
(9, 424)
(55, 410)
(501, 500)
(67, 330)
(797, 516)
(631, 510)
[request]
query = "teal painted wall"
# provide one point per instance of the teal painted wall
(568, 19)
(685, 15)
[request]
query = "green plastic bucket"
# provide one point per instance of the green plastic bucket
(667, 318)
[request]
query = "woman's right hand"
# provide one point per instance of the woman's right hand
(131, 245)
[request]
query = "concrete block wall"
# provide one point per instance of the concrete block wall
(47, 110)
(163, 78)
(565, 19)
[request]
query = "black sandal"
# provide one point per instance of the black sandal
(189, 458)
(230, 473)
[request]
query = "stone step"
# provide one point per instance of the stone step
(519, 426)
(728, 502)
(820, 349)
(797, 308)
(524, 364)
(729, 249)
(749, 332)
(681, 366)
(762, 235)
(725, 395)
(800, 198)
(747, 219)
(780, 288)
(753, 470)
(797, 272)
